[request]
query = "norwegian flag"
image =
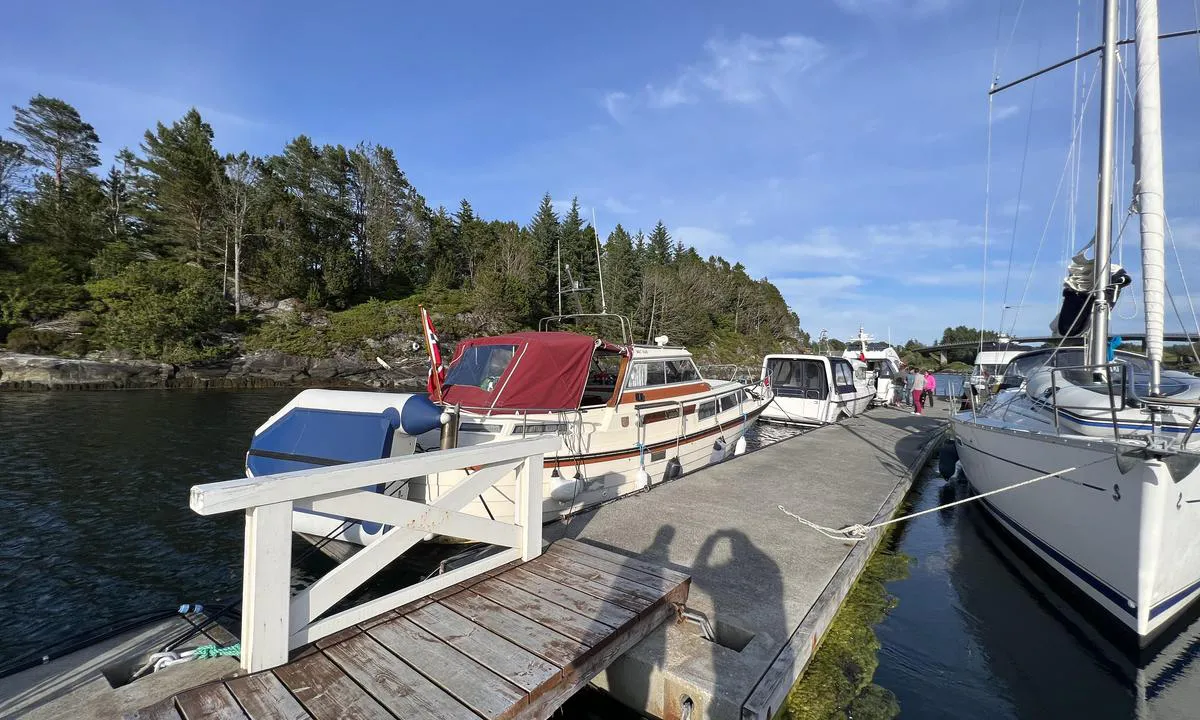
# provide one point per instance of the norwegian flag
(437, 371)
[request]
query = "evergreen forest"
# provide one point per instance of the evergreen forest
(173, 250)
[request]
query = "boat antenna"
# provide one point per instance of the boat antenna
(599, 265)
(558, 262)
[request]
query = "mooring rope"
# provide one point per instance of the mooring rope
(857, 532)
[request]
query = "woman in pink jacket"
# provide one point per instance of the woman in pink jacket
(930, 389)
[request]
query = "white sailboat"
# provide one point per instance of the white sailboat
(1120, 517)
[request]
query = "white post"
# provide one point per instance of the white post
(529, 514)
(266, 586)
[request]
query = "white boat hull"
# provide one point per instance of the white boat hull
(804, 411)
(608, 464)
(1127, 540)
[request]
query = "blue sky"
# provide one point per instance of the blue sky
(837, 147)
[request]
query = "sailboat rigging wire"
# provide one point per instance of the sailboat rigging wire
(1076, 120)
(1072, 153)
(1012, 245)
(1011, 36)
(1186, 291)
(987, 202)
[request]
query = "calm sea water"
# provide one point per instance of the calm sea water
(978, 634)
(94, 488)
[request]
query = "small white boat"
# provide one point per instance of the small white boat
(883, 365)
(816, 389)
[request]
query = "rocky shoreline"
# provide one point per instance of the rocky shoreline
(267, 368)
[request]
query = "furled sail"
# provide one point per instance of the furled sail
(1148, 155)
(1075, 315)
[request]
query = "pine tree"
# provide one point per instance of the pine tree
(621, 277)
(579, 254)
(182, 169)
(441, 251)
(471, 244)
(12, 164)
(56, 138)
(658, 247)
(544, 233)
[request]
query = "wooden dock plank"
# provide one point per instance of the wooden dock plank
(474, 685)
(263, 697)
(404, 691)
(658, 584)
(162, 710)
(594, 582)
(601, 657)
(568, 596)
(573, 625)
(514, 642)
(535, 637)
(326, 692)
(511, 662)
(209, 702)
(673, 576)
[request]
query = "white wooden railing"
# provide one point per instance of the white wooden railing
(275, 622)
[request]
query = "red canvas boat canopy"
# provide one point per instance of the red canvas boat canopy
(540, 371)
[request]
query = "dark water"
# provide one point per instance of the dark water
(974, 636)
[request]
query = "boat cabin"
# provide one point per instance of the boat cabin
(555, 371)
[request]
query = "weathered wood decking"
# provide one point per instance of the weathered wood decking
(515, 642)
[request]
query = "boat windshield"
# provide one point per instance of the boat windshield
(481, 366)
(1019, 370)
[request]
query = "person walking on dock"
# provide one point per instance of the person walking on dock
(916, 388)
(930, 389)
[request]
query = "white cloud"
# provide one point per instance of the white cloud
(916, 8)
(821, 244)
(615, 103)
(1003, 112)
(744, 219)
(614, 205)
(820, 287)
(743, 71)
(707, 242)
(668, 97)
(749, 69)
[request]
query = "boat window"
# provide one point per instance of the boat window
(659, 372)
(682, 370)
(707, 410)
(795, 377)
(481, 366)
(602, 379)
(843, 376)
(728, 401)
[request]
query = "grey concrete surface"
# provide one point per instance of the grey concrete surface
(756, 573)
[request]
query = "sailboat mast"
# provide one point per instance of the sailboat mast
(1098, 341)
(1148, 158)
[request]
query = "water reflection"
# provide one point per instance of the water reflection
(978, 634)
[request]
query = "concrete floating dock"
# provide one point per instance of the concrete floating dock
(514, 642)
(769, 586)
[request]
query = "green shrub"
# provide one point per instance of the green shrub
(289, 335)
(35, 342)
(160, 309)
